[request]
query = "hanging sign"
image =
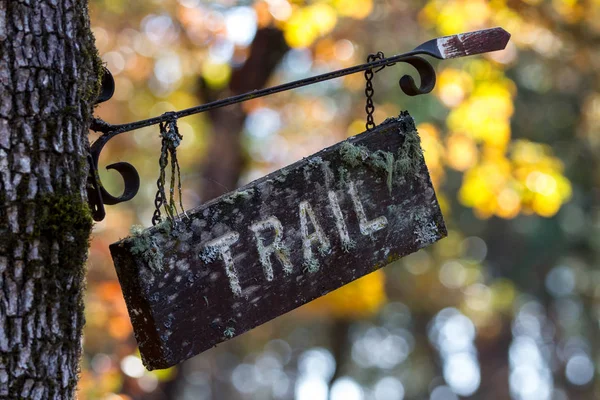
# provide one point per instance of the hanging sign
(277, 243)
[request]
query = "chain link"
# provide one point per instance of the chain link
(171, 138)
(158, 202)
(369, 91)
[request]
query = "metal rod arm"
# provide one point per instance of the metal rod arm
(461, 45)
(454, 46)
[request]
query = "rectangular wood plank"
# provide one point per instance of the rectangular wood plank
(277, 243)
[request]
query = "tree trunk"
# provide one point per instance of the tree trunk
(224, 158)
(49, 79)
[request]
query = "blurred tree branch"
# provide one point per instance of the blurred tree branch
(224, 159)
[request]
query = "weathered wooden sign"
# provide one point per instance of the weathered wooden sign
(277, 243)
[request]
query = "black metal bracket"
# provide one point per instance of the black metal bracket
(98, 196)
(442, 48)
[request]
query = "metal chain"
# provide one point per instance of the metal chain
(171, 138)
(158, 202)
(369, 91)
(160, 197)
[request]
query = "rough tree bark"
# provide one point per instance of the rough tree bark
(49, 79)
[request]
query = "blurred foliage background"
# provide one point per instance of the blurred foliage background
(508, 306)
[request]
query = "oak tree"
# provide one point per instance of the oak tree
(49, 79)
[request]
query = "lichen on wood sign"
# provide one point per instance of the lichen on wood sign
(277, 243)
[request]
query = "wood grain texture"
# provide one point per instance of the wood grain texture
(277, 243)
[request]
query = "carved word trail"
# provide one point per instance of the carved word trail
(279, 242)
(309, 222)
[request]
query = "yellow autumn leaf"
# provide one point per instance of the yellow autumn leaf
(359, 299)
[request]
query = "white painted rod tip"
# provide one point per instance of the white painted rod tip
(467, 44)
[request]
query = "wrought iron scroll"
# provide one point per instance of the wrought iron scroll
(407, 83)
(98, 196)
(441, 48)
